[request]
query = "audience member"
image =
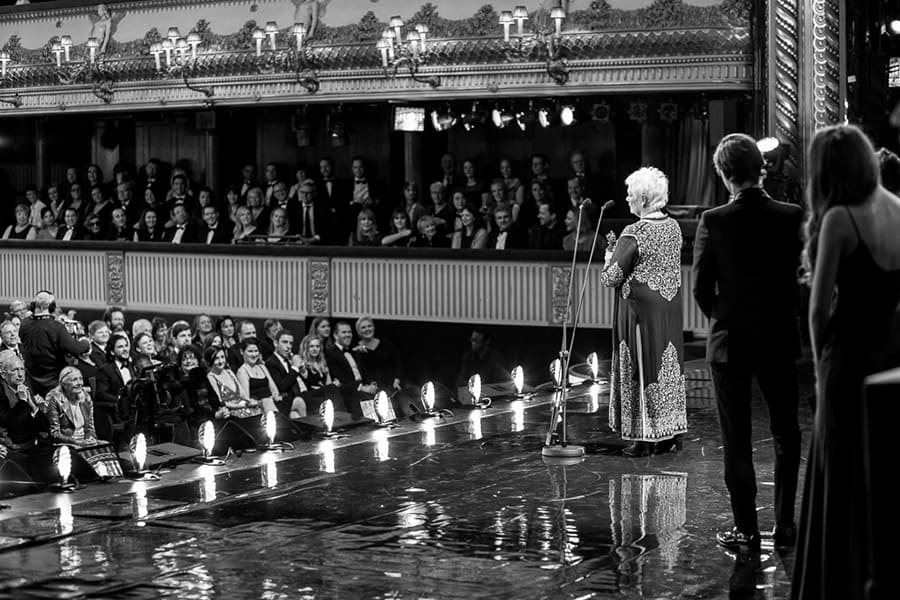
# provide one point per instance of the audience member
(482, 358)
(284, 368)
(346, 373)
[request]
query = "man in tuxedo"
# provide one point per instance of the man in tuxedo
(449, 177)
(183, 231)
(346, 368)
(125, 200)
(271, 175)
(507, 235)
(99, 333)
(152, 180)
(314, 222)
(70, 230)
(548, 232)
(747, 288)
(248, 180)
(365, 194)
(112, 378)
(284, 367)
(215, 231)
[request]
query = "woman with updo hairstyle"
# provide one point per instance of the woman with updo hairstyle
(852, 255)
(647, 394)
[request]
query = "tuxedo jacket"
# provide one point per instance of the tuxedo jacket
(98, 355)
(222, 233)
(109, 384)
(135, 208)
(77, 235)
(286, 380)
(324, 224)
(341, 192)
(746, 256)
(515, 239)
(340, 368)
(190, 234)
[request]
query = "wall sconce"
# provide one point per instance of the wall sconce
(412, 54)
(90, 71)
(299, 59)
(16, 100)
(178, 63)
(545, 44)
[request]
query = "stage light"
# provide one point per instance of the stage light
(62, 458)
(518, 379)
(428, 397)
(543, 117)
(894, 26)
(138, 447)
(326, 411)
(383, 410)
(594, 364)
(502, 117)
(475, 388)
(474, 118)
(768, 144)
(556, 372)
(567, 115)
(443, 120)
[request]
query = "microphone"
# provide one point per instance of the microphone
(609, 204)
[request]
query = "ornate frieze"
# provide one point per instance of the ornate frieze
(319, 287)
(115, 278)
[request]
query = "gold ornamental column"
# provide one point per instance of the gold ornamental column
(806, 71)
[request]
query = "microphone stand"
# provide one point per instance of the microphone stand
(558, 414)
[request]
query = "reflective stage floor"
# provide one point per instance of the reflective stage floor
(463, 507)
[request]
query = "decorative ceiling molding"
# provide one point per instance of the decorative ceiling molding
(633, 61)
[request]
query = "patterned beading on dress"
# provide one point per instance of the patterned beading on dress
(659, 246)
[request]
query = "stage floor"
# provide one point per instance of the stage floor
(464, 507)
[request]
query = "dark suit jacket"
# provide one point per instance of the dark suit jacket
(514, 238)
(78, 235)
(109, 384)
(98, 355)
(340, 369)
(16, 417)
(222, 235)
(285, 380)
(190, 234)
(323, 224)
(746, 255)
(546, 238)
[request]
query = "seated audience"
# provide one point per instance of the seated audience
(548, 232)
(70, 411)
(48, 228)
(149, 229)
(380, 358)
(284, 367)
(254, 379)
(585, 236)
(366, 230)
(507, 235)
(429, 237)
(21, 412)
(482, 358)
(22, 229)
(471, 234)
(400, 233)
(345, 369)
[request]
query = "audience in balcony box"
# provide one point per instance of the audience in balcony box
(328, 188)
(259, 212)
(316, 226)
(132, 206)
(472, 234)
(300, 175)
(279, 230)
(55, 199)
(365, 192)
(76, 202)
(290, 206)
(458, 201)
(428, 235)
(180, 193)
(214, 231)
(101, 205)
(400, 234)
(244, 228)
(585, 235)
(536, 194)
(35, 204)
(506, 235)
(22, 229)
(182, 230)
(548, 233)
(514, 190)
(414, 209)
(450, 179)
(232, 203)
(248, 181)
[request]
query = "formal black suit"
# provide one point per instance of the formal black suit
(286, 380)
(222, 234)
(190, 235)
(746, 255)
(322, 224)
(78, 233)
(515, 239)
(134, 209)
(340, 369)
(110, 385)
(98, 355)
(21, 424)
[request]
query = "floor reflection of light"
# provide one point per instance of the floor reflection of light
(518, 417)
(429, 430)
(326, 456)
(207, 484)
(139, 505)
(66, 520)
(594, 395)
(475, 425)
(382, 444)
(69, 557)
(269, 470)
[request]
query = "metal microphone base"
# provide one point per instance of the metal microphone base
(560, 451)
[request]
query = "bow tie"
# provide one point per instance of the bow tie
(151, 179)
(214, 227)
(359, 181)
(179, 226)
(247, 182)
(579, 174)
(328, 179)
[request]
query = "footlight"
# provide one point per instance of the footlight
(594, 365)
(326, 412)
(475, 392)
(62, 458)
(207, 437)
(384, 412)
(428, 400)
(270, 427)
(518, 379)
(138, 448)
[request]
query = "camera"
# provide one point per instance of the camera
(75, 328)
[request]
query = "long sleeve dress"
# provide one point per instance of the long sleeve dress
(647, 393)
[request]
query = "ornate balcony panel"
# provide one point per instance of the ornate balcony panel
(87, 57)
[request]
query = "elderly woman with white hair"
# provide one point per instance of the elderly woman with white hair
(70, 410)
(647, 393)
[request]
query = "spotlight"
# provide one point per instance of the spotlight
(207, 437)
(384, 411)
(894, 26)
(444, 119)
(767, 144)
(502, 117)
(270, 426)
(475, 392)
(62, 458)
(594, 364)
(138, 447)
(326, 412)
(337, 130)
(528, 117)
(567, 115)
(544, 116)
(518, 379)
(428, 396)
(474, 118)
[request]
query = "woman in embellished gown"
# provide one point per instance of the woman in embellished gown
(853, 244)
(647, 394)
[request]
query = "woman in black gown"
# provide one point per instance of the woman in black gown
(853, 245)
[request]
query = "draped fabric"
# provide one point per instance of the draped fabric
(690, 164)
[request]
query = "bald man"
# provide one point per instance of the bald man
(45, 344)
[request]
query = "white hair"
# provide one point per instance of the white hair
(650, 185)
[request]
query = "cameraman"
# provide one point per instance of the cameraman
(46, 343)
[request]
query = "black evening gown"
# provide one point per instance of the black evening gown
(832, 561)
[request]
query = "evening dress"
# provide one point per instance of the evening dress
(645, 269)
(831, 550)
